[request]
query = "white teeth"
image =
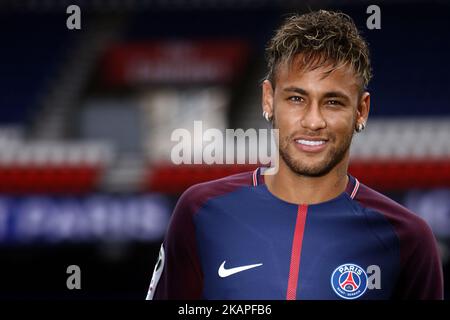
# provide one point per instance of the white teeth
(310, 143)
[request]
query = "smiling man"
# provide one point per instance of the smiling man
(312, 230)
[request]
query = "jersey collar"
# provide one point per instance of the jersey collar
(351, 189)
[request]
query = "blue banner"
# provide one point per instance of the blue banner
(95, 218)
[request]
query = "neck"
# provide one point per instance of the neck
(294, 188)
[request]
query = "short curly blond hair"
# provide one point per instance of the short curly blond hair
(323, 38)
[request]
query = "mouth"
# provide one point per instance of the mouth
(311, 144)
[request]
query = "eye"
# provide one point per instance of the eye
(335, 103)
(296, 99)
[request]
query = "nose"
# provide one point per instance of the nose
(312, 118)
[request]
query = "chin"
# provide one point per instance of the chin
(312, 165)
(309, 168)
(313, 171)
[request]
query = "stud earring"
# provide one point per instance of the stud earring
(266, 116)
(360, 127)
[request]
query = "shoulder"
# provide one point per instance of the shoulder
(181, 227)
(421, 268)
(197, 195)
(409, 227)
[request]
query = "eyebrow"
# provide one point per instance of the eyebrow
(296, 90)
(330, 94)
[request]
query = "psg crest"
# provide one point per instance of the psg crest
(349, 281)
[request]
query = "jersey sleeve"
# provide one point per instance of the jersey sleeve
(421, 276)
(177, 274)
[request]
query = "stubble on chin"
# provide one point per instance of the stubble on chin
(302, 168)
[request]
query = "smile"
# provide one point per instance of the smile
(310, 142)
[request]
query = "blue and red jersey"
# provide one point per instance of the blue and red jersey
(233, 239)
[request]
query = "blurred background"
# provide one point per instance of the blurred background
(86, 117)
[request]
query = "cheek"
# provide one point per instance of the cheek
(342, 127)
(285, 124)
(286, 113)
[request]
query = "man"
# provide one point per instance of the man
(312, 230)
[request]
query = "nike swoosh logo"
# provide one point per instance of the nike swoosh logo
(223, 273)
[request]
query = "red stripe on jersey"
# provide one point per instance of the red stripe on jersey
(255, 177)
(296, 252)
(355, 189)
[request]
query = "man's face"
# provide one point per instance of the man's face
(315, 115)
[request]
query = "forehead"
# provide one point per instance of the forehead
(318, 79)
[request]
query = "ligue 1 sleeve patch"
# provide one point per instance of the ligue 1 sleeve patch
(349, 281)
(156, 273)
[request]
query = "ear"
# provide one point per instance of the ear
(362, 112)
(267, 97)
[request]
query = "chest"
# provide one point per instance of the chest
(256, 251)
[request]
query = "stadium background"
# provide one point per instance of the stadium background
(86, 117)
